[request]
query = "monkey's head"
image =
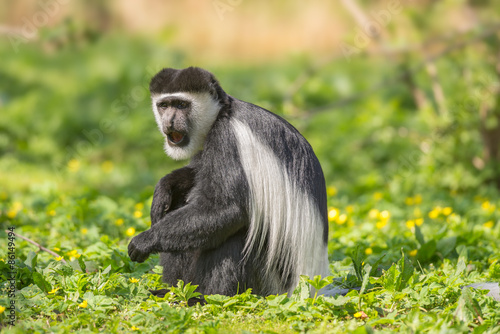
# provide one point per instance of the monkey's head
(185, 103)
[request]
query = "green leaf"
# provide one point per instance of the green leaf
(41, 282)
(374, 268)
(303, 289)
(390, 277)
(406, 269)
(107, 270)
(446, 246)
(419, 236)
(358, 257)
(185, 291)
(65, 270)
(216, 299)
(365, 279)
(83, 267)
(366, 329)
(461, 266)
(427, 251)
(467, 307)
(463, 253)
(31, 260)
(318, 283)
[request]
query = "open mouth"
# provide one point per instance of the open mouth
(175, 137)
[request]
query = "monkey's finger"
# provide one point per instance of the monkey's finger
(135, 254)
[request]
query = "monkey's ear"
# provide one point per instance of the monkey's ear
(218, 93)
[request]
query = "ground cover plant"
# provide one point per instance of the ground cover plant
(414, 210)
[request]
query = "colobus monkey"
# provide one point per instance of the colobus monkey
(249, 210)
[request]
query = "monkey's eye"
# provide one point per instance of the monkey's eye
(181, 104)
(162, 105)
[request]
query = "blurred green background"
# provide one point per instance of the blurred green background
(397, 96)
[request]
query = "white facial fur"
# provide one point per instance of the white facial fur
(204, 111)
(281, 211)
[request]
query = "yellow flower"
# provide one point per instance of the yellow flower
(410, 224)
(139, 206)
(360, 314)
(487, 206)
(73, 254)
(489, 224)
(2, 309)
(137, 214)
(333, 214)
(447, 211)
(434, 213)
(419, 221)
(368, 251)
(413, 252)
(331, 191)
(84, 231)
(59, 258)
(52, 213)
(378, 196)
(11, 214)
(133, 280)
(373, 213)
(16, 207)
(53, 291)
(417, 199)
(119, 222)
(349, 208)
(57, 249)
(107, 166)
(409, 201)
(134, 328)
(341, 219)
(130, 231)
(385, 215)
(84, 304)
(73, 165)
(380, 224)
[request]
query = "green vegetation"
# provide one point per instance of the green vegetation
(413, 198)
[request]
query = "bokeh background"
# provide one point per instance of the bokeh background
(399, 99)
(398, 96)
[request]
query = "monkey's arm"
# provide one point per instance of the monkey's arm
(171, 192)
(188, 228)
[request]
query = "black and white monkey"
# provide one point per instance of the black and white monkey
(249, 210)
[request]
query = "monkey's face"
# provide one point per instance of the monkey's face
(184, 119)
(175, 124)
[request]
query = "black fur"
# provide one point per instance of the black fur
(200, 213)
(171, 192)
(191, 79)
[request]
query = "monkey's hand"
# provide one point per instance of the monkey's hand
(162, 199)
(171, 192)
(142, 245)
